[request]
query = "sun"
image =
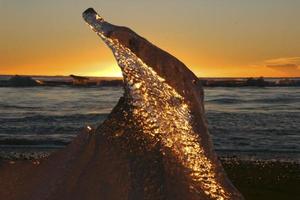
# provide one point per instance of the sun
(104, 70)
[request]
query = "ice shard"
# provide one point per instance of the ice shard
(155, 143)
(166, 102)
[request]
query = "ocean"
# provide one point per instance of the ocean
(249, 122)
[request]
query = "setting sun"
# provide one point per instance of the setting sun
(214, 39)
(108, 70)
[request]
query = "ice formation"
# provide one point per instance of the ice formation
(154, 145)
(162, 112)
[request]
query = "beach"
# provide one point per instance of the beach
(262, 180)
(257, 180)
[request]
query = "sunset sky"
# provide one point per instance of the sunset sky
(215, 38)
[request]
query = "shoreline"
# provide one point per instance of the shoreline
(37, 81)
(264, 180)
(33, 152)
(256, 179)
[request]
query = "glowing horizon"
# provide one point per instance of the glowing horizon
(213, 38)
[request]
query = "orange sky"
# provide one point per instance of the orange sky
(214, 38)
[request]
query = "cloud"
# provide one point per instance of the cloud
(289, 65)
(283, 61)
(284, 66)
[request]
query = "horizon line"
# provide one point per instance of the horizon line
(227, 77)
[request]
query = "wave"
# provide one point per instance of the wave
(225, 100)
(32, 142)
(2, 105)
(277, 100)
(53, 118)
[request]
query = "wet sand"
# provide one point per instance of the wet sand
(263, 180)
(257, 180)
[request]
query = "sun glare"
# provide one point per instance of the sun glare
(105, 70)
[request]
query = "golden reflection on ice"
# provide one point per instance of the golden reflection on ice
(89, 128)
(99, 18)
(166, 118)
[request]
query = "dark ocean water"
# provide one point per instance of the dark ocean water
(244, 122)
